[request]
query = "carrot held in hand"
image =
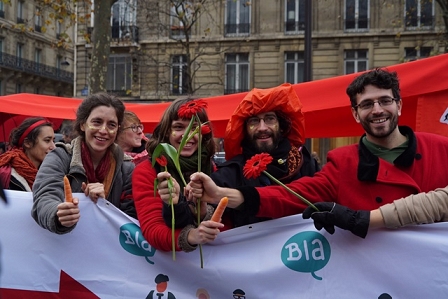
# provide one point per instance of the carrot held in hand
(220, 209)
(67, 190)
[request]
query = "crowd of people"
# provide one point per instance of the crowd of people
(392, 178)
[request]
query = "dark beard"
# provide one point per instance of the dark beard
(264, 147)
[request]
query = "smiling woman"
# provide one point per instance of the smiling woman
(131, 138)
(93, 163)
(152, 189)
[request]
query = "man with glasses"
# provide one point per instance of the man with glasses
(389, 162)
(266, 121)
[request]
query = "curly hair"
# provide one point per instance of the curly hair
(378, 77)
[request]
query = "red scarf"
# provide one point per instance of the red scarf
(95, 175)
(17, 159)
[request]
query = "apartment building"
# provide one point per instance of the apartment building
(32, 57)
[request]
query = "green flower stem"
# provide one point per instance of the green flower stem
(290, 191)
(198, 204)
(173, 239)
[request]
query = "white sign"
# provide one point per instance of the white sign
(105, 256)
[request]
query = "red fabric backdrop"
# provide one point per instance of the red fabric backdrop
(423, 83)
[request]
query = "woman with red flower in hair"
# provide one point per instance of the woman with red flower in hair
(151, 209)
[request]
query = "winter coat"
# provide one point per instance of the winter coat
(356, 178)
(65, 159)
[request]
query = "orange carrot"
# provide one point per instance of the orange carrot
(67, 190)
(220, 209)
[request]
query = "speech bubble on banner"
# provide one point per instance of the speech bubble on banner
(132, 240)
(306, 252)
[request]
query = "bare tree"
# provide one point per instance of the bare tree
(179, 20)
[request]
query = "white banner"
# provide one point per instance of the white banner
(105, 256)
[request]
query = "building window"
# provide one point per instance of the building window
(294, 67)
(2, 10)
(356, 15)
(123, 19)
(119, 74)
(180, 16)
(294, 16)
(58, 22)
(19, 54)
(237, 17)
(419, 13)
(20, 19)
(355, 61)
(37, 59)
(18, 87)
(237, 73)
(179, 78)
(415, 53)
(38, 20)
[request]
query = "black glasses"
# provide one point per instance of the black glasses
(269, 120)
(135, 128)
(368, 104)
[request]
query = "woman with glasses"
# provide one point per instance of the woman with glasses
(93, 163)
(32, 140)
(131, 138)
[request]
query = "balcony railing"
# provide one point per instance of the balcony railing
(237, 29)
(125, 33)
(37, 28)
(20, 21)
(15, 63)
(2, 14)
(293, 26)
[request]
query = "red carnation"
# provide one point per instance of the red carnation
(162, 161)
(187, 110)
(205, 129)
(256, 165)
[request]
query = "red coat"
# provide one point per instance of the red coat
(354, 177)
(149, 208)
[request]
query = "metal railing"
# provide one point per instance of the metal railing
(16, 63)
(237, 29)
(125, 33)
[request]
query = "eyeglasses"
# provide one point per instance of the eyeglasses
(239, 296)
(269, 120)
(135, 128)
(110, 128)
(368, 104)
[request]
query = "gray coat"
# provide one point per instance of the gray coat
(65, 159)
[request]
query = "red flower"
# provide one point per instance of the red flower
(162, 161)
(256, 165)
(187, 110)
(205, 129)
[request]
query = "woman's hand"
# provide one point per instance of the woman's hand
(164, 191)
(93, 190)
(68, 213)
(206, 232)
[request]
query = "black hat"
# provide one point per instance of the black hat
(161, 278)
(238, 292)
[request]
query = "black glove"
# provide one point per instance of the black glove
(332, 214)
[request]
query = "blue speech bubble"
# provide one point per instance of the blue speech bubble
(132, 240)
(306, 252)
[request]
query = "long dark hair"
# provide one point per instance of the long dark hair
(19, 135)
(162, 131)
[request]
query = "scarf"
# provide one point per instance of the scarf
(287, 160)
(17, 159)
(189, 165)
(104, 171)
